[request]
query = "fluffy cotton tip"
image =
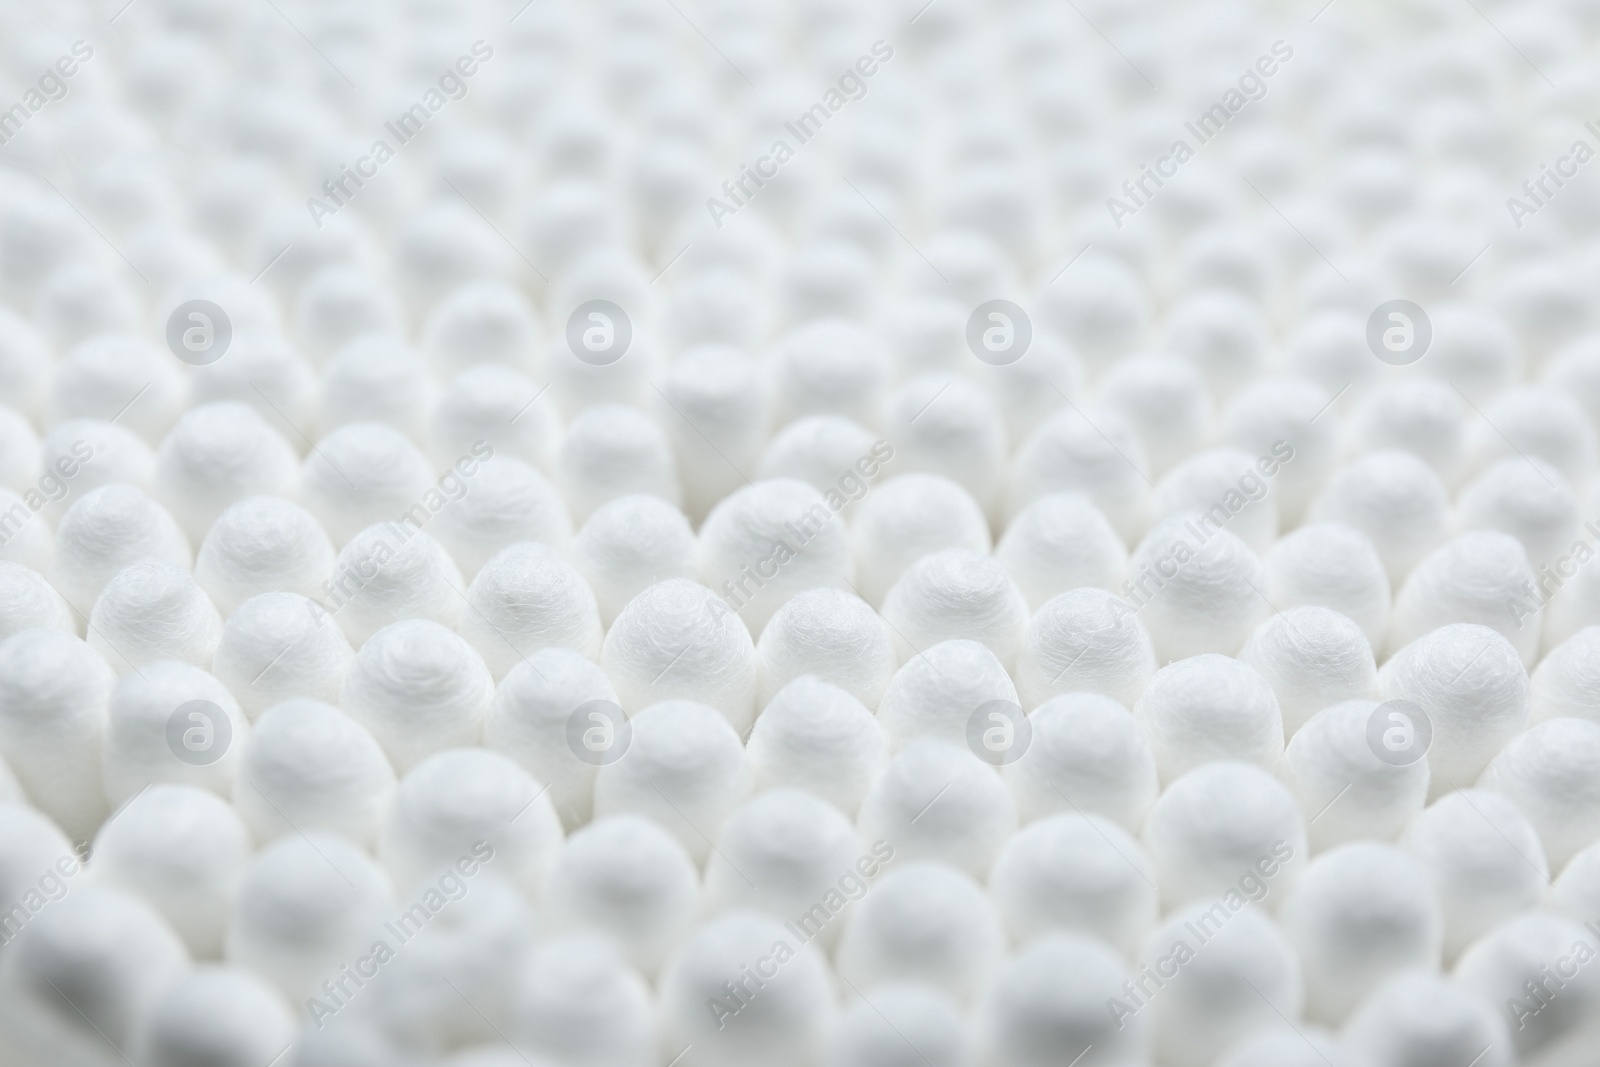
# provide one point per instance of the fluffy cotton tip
(1531, 501)
(218, 454)
(362, 474)
(1423, 416)
(1313, 657)
(974, 812)
(1353, 777)
(871, 1032)
(104, 533)
(1395, 499)
(1335, 566)
(377, 378)
(1427, 1018)
(781, 852)
(1103, 458)
(610, 451)
(171, 722)
(1552, 774)
(1566, 684)
(527, 598)
(1087, 754)
(677, 639)
(308, 766)
(497, 405)
(419, 688)
(629, 544)
(221, 1015)
(1223, 485)
(909, 517)
(27, 539)
(1210, 707)
(152, 612)
(389, 572)
(1480, 577)
(278, 646)
(831, 634)
(1061, 542)
(577, 997)
(956, 594)
(1197, 588)
(1164, 399)
(500, 502)
(714, 410)
(1085, 639)
(1500, 965)
(261, 545)
(28, 602)
(815, 736)
(936, 693)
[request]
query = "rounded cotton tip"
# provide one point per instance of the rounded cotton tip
(1196, 587)
(714, 409)
(784, 1020)
(1508, 967)
(769, 541)
(152, 612)
(1313, 657)
(387, 573)
(830, 634)
(1088, 754)
(1425, 1018)
(1335, 566)
(1530, 500)
(1352, 774)
(419, 688)
(466, 803)
(496, 405)
(577, 997)
(221, 1015)
(610, 451)
(542, 710)
(171, 722)
(1470, 684)
(1164, 398)
(26, 538)
(1215, 824)
(261, 545)
(936, 693)
(922, 922)
(831, 454)
(629, 877)
(973, 814)
(183, 850)
(1360, 913)
(218, 454)
(1485, 859)
(1552, 774)
(106, 531)
(54, 690)
(527, 598)
(1479, 577)
(815, 736)
(1104, 459)
(1103, 312)
(1566, 684)
(1085, 639)
(956, 594)
(1048, 1003)
(377, 378)
(339, 303)
(1395, 499)
(677, 639)
(362, 474)
(308, 766)
(29, 602)
(629, 543)
(1210, 707)
(781, 852)
(906, 518)
(495, 504)
(951, 427)
(685, 768)
(873, 1033)
(278, 646)
(1223, 485)
(1423, 416)
(1061, 542)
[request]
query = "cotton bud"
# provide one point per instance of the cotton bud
(1537, 422)
(956, 594)
(386, 573)
(1417, 1017)
(306, 766)
(469, 802)
(28, 602)
(974, 812)
(1395, 499)
(829, 453)
(1103, 311)
(825, 281)
(1047, 1004)
(1566, 684)
(1516, 966)
(714, 409)
(1196, 586)
(96, 453)
(1215, 823)
(936, 693)
(531, 717)
(221, 1015)
(378, 378)
(362, 474)
(1087, 754)
(261, 545)
(527, 598)
(1334, 566)
(307, 907)
(630, 543)
(906, 518)
(340, 303)
(118, 374)
(171, 722)
(577, 1000)
(815, 736)
(1075, 872)
(629, 877)
(496, 405)
(610, 451)
(772, 997)
(1348, 784)
(183, 850)
(678, 640)
(152, 612)
(873, 1033)
(265, 371)
(1478, 577)
(106, 531)
(1164, 398)
(1528, 499)
(832, 635)
(1313, 657)
(420, 689)
(1210, 707)
(828, 367)
(923, 922)
(278, 646)
(1549, 772)
(1098, 454)
(685, 768)
(1423, 416)
(1061, 542)
(949, 427)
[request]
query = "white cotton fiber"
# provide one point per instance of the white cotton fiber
(1061, 542)
(1335, 566)
(152, 612)
(1210, 707)
(906, 518)
(494, 504)
(216, 455)
(629, 543)
(935, 694)
(956, 594)
(1313, 657)
(815, 736)
(1349, 789)
(1046, 1004)
(1552, 774)
(935, 800)
(278, 646)
(105, 531)
(387, 573)
(420, 689)
(1395, 499)
(1197, 588)
(1566, 684)
(1477, 577)
(153, 734)
(528, 598)
(29, 602)
(260, 545)
(831, 634)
